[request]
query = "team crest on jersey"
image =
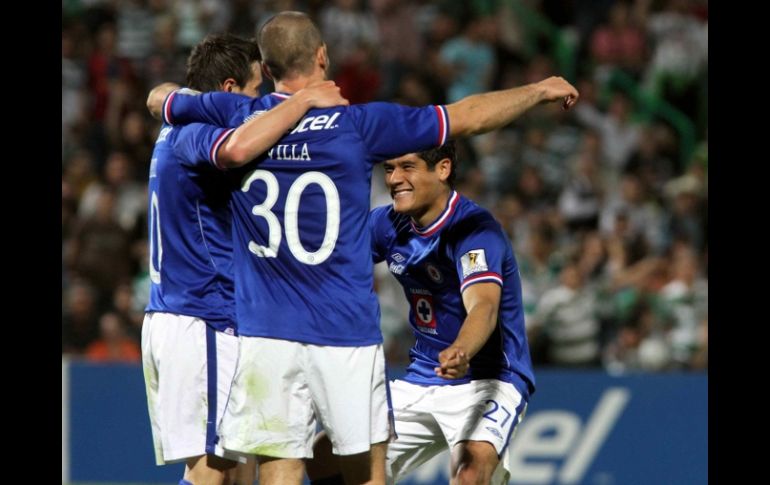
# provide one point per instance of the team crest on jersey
(397, 257)
(474, 261)
(424, 315)
(434, 273)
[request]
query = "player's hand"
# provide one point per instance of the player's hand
(453, 362)
(157, 96)
(324, 94)
(556, 88)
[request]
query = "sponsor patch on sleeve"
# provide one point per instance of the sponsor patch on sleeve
(474, 261)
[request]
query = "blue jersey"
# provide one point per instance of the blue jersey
(435, 264)
(190, 230)
(303, 269)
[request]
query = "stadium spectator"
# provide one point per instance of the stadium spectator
(113, 344)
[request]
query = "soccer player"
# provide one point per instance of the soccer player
(189, 342)
(470, 375)
(308, 317)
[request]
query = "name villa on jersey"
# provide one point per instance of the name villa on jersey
(289, 152)
(299, 152)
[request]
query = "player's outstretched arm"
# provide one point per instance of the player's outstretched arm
(157, 96)
(481, 301)
(480, 113)
(260, 133)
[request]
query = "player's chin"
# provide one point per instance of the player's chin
(403, 203)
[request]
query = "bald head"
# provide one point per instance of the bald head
(289, 43)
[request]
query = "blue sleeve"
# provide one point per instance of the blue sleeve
(196, 144)
(390, 130)
(214, 108)
(378, 218)
(479, 255)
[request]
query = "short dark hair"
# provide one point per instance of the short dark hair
(289, 42)
(435, 155)
(219, 57)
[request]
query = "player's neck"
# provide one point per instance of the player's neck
(294, 84)
(433, 212)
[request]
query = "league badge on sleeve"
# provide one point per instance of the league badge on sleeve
(474, 261)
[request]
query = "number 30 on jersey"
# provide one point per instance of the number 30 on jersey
(291, 211)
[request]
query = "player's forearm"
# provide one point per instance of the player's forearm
(258, 134)
(477, 328)
(480, 113)
(216, 108)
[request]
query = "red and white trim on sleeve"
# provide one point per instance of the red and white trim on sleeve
(281, 95)
(443, 124)
(454, 198)
(215, 147)
(166, 111)
(481, 278)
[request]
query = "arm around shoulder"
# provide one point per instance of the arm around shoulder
(257, 135)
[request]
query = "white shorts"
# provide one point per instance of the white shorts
(188, 372)
(283, 388)
(431, 419)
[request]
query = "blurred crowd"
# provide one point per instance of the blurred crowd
(606, 205)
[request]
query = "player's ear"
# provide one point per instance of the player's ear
(444, 169)
(228, 85)
(322, 58)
